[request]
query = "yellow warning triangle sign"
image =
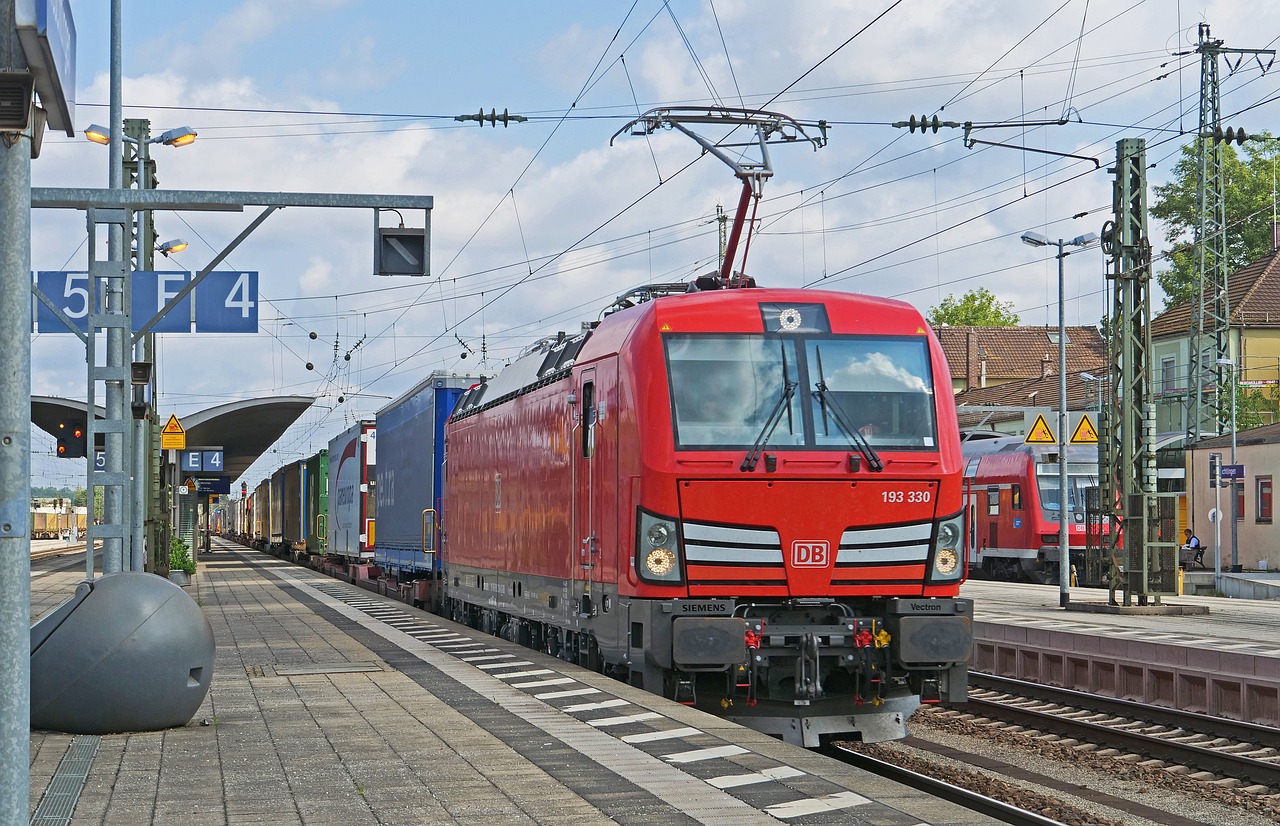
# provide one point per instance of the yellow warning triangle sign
(173, 425)
(1085, 432)
(1040, 433)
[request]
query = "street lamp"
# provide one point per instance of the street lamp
(1035, 239)
(167, 248)
(1235, 517)
(178, 136)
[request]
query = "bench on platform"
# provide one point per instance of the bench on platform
(1191, 557)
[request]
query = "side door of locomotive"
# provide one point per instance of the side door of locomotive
(595, 489)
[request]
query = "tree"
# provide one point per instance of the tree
(1254, 408)
(1247, 198)
(976, 308)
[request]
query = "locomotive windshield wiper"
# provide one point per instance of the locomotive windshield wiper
(771, 424)
(828, 403)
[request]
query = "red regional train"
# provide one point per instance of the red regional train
(1012, 495)
(748, 500)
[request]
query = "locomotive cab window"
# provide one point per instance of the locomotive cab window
(796, 390)
(724, 389)
(883, 386)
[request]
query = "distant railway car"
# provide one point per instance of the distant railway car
(352, 496)
(53, 522)
(744, 499)
(288, 505)
(261, 514)
(317, 503)
(240, 517)
(1013, 501)
(411, 454)
(45, 523)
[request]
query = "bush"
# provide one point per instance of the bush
(180, 557)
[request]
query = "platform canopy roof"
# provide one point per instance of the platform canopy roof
(243, 429)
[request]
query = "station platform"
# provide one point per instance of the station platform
(333, 706)
(1209, 654)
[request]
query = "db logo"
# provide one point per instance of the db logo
(810, 554)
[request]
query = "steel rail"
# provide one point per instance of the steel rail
(1122, 731)
(1004, 812)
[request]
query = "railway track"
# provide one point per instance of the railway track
(1215, 746)
(982, 804)
(61, 550)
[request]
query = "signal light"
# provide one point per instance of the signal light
(72, 440)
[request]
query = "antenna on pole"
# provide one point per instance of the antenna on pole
(770, 127)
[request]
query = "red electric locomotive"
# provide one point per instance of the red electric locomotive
(745, 499)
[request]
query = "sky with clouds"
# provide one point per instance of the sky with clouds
(538, 226)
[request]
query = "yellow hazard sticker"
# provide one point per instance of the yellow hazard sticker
(1040, 433)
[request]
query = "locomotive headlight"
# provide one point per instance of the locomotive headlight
(657, 549)
(948, 565)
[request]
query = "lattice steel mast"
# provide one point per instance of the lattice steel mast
(1210, 306)
(1126, 447)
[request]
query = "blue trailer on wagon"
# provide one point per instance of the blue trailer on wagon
(408, 474)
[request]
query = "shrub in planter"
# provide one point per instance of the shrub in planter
(180, 557)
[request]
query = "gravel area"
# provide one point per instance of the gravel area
(1069, 762)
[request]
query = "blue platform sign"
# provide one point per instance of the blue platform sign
(201, 460)
(227, 302)
(209, 485)
(224, 302)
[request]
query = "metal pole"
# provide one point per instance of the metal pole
(15, 466)
(112, 499)
(1064, 550)
(1235, 497)
(1216, 475)
(137, 544)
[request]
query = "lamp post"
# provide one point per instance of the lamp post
(1235, 517)
(179, 136)
(1035, 239)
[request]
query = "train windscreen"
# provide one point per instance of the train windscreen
(1080, 477)
(735, 391)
